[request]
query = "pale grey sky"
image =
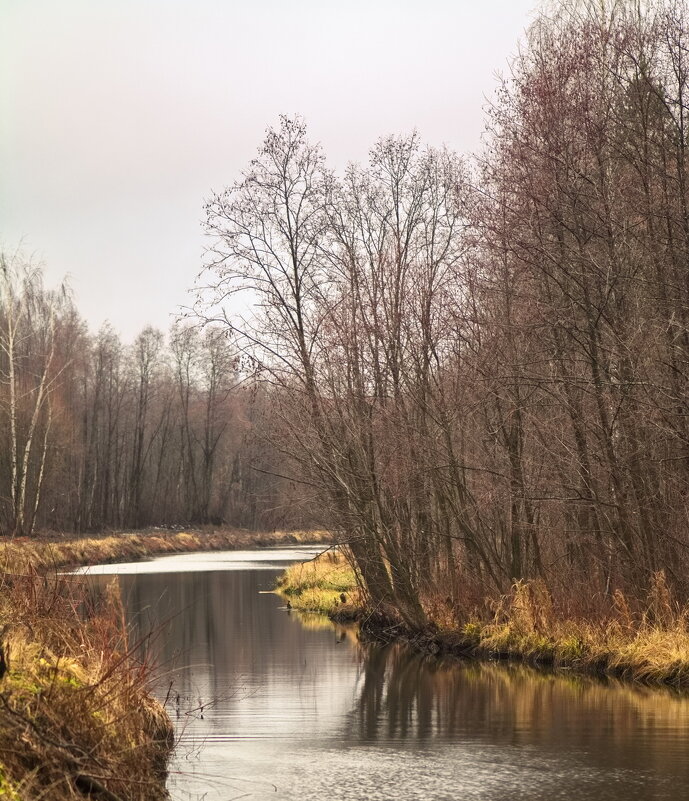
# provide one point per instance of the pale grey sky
(118, 118)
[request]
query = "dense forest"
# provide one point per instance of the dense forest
(481, 366)
(100, 435)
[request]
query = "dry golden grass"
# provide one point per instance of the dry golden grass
(318, 585)
(25, 555)
(76, 719)
(651, 646)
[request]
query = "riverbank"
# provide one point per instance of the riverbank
(650, 645)
(49, 553)
(326, 585)
(76, 718)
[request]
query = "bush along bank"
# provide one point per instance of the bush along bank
(76, 719)
(648, 643)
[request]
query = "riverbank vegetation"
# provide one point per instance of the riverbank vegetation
(76, 719)
(480, 365)
(326, 584)
(649, 645)
(41, 554)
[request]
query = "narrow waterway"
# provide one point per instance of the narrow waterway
(270, 704)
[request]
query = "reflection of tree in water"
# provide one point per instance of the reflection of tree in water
(405, 696)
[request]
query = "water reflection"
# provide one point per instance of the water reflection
(408, 697)
(296, 708)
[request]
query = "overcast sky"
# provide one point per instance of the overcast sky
(118, 117)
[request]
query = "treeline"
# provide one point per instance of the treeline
(97, 434)
(482, 368)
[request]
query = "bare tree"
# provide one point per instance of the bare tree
(28, 346)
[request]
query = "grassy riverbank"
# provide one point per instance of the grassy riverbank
(45, 553)
(326, 585)
(650, 644)
(76, 719)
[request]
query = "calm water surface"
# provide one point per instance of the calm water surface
(270, 704)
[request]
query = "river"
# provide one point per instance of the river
(271, 704)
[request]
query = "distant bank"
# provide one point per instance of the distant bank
(48, 552)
